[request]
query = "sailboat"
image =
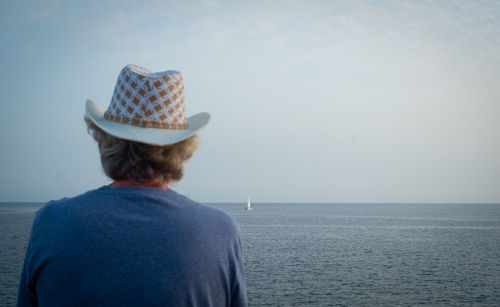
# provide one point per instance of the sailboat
(249, 204)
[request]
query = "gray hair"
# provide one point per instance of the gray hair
(122, 159)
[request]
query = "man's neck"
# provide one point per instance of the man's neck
(155, 183)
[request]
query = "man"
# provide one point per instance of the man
(136, 242)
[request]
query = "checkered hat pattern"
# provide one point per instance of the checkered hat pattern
(150, 100)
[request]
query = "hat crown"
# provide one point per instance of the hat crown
(147, 99)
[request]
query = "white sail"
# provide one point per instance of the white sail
(249, 204)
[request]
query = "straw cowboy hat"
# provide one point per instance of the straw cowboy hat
(147, 108)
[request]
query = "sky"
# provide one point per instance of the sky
(311, 101)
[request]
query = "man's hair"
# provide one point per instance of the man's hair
(122, 159)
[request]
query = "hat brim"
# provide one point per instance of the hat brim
(152, 136)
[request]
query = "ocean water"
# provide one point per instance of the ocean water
(15, 225)
(339, 254)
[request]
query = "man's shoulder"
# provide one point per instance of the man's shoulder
(208, 214)
(69, 202)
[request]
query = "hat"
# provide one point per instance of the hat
(148, 108)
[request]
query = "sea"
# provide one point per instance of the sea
(338, 254)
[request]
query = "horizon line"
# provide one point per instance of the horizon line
(312, 203)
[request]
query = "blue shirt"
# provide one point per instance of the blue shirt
(132, 246)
